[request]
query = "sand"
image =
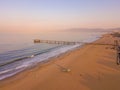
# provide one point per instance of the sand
(93, 67)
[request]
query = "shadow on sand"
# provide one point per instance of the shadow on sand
(106, 77)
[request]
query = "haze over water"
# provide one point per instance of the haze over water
(14, 41)
(22, 21)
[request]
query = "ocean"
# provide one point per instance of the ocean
(18, 52)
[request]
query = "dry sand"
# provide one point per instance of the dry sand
(93, 67)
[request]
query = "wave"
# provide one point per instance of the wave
(29, 62)
(17, 65)
(15, 56)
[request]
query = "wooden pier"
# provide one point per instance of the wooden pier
(56, 42)
(68, 42)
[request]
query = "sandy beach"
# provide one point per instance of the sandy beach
(93, 67)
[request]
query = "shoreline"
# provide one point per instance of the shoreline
(50, 60)
(82, 79)
(54, 57)
(42, 63)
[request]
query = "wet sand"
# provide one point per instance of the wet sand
(93, 67)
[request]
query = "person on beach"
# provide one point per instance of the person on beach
(118, 55)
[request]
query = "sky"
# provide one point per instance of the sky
(43, 15)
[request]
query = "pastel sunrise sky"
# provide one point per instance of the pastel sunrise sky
(38, 15)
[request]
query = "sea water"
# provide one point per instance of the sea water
(18, 52)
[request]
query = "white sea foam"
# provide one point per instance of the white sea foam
(39, 58)
(53, 53)
(9, 75)
(5, 71)
(16, 68)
